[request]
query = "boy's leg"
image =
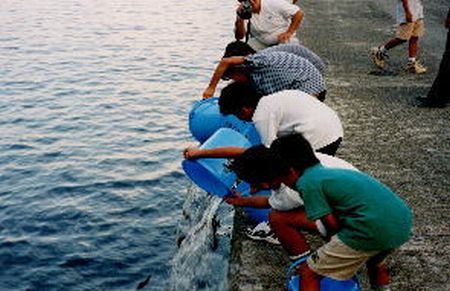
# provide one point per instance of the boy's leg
(337, 260)
(413, 65)
(412, 47)
(378, 271)
(393, 43)
(310, 280)
(379, 54)
(286, 225)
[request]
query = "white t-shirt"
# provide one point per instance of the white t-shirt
(273, 19)
(293, 111)
(285, 198)
(416, 8)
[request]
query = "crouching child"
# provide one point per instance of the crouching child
(364, 221)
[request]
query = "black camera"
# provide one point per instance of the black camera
(246, 11)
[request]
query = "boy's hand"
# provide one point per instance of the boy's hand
(235, 199)
(284, 37)
(190, 153)
(208, 93)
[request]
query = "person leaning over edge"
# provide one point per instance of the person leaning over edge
(284, 217)
(241, 49)
(283, 113)
(270, 72)
(362, 219)
(272, 22)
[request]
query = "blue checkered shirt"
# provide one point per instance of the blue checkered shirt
(300, 51)
(271, 72)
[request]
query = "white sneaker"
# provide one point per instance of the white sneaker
(378, 57)
(262, 231)
(415, 68)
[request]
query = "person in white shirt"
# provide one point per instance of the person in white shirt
(272, 22)
(282, 113)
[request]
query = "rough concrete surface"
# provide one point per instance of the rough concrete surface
(385, 135)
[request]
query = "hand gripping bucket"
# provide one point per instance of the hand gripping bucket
(326, 283)
(205, 119)
(213, 174)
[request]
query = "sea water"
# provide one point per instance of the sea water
(94, 98)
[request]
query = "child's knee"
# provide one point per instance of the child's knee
(275, 218)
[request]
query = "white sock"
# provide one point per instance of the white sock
(382, 49)
(295, 258)
(412, 60)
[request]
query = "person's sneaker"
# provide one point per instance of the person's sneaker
(263, 232)
(378, 57)
(415, 68)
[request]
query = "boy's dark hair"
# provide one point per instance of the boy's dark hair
(238, 48)
(296, 151)
(237, 95)
(259, 164)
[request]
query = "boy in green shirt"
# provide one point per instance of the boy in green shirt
(363, 219)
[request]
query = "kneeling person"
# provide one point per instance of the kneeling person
(364, 220)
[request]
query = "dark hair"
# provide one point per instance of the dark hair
(296, 151)
(238, 48)
(237, 95)
(259, 164)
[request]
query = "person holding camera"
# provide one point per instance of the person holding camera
(264, 23)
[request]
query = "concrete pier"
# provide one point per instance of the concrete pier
(385, 135)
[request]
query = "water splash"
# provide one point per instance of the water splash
(201, 262)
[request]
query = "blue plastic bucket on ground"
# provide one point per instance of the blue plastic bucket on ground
(205, 119)
(212, 174)
(326, 283)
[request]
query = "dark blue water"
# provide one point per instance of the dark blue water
(94, 97)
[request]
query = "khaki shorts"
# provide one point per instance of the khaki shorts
(407, 30)
(339, 261)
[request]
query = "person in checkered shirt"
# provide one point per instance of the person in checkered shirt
(269, 72)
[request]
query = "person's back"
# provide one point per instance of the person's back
(301, 51)
(293, 111)
(371, 217)
(274, 71)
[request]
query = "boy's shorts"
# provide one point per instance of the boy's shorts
(339, 261)
(407, 30)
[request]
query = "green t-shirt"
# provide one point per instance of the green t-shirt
(370, 215)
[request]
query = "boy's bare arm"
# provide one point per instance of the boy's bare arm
(408, 14)
(192, 153)
(224, 64)
(331, 224)
(256, 201)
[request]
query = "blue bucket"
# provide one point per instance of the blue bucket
(205, 119)
(256, 214)
(326, 283)
(212, 174)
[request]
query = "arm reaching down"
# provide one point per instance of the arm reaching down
(224, 64)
